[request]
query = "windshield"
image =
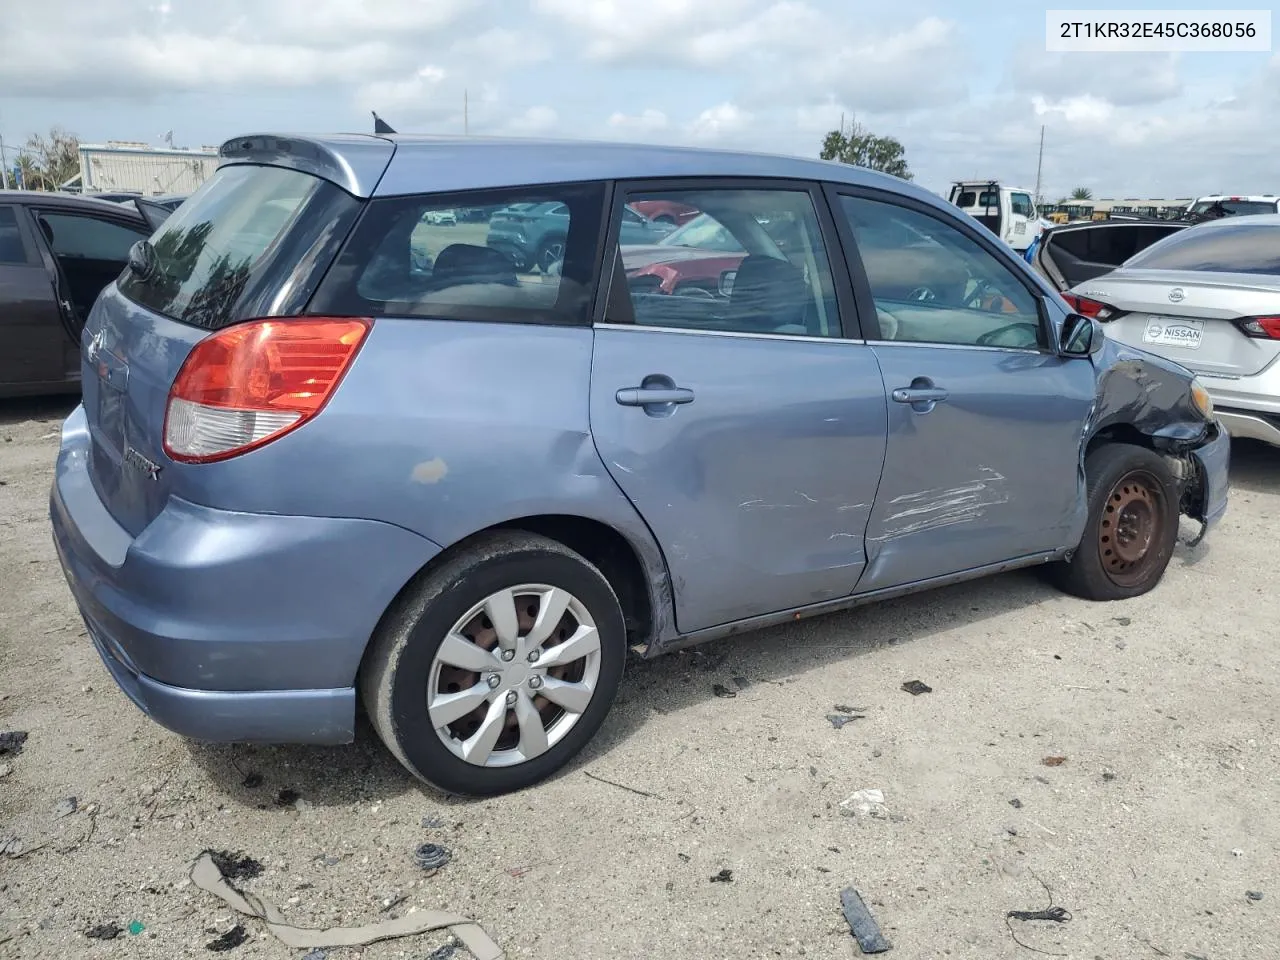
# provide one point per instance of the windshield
(704, 232)
(1223, 247)
(1234, 208)
(209, 251)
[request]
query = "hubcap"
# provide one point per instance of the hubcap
(1131, 528)
(514, 675)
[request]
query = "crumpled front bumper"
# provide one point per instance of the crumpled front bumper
(1208, 493)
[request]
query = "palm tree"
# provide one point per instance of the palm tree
(1081, 193)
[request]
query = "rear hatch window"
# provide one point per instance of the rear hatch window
(1223, 247)
(234, 249)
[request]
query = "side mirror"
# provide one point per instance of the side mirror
(1081, 336)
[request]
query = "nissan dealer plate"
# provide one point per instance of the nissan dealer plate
(1169, 332)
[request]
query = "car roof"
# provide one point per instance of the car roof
(72, 200)
(440, 164)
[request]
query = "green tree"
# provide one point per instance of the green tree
(47, 162)
(1081, 193)
(862, 148)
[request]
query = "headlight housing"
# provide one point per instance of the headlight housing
(1200, 397)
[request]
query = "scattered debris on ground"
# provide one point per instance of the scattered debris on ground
(1054, 761)
(839, 720)
(862, 925)
(5, 770)
(12, 742)
(66, 808)
(916, 687)
(317, 954)
(136, 927)
(206, 877)
(1050, 913)
(720, 690)
(1123, 621)
(251, 781)
(229, 940)
(724, 876)
(621, 786)
(287, 797)
(863, 803)
(433, 823)
(845, 708)
(104, 931)
(432, 856)
(446, 952)
(1254, 895)
(1015, 803)
(235, 866)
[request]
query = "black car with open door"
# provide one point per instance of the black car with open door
(57, 252)
(1072, 253)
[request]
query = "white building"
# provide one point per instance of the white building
(120, 166)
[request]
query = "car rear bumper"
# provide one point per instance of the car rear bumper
(224, 625)
(1248, 406)
(1213, 462)
(1255, 426)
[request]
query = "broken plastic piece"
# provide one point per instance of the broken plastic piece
(235, 866)
(865, 803)
(432, 856)
(104, 931)
(1254, 895)
(720, 690)
(724, 876)
(864, 927)
(66, 808)
(838, 721)
(446, 952)
(229, 940)
(135, 927)
(12, 741)
(916, 687)
(205, 875)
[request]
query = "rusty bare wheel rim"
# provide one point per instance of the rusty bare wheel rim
(1132, 528)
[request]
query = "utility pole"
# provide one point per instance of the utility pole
(1039, 167)
(4, 167)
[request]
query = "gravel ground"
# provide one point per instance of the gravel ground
(1150, 833)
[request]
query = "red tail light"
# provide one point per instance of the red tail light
(1267, 328)
(254, 382)
(1090, 308)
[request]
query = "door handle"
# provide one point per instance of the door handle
(646, 396)
(919, 395)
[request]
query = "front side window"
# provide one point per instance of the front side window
(751, 261)
(1222, 247)
(525, 254)
(1022, 205)
(934, 284)
(75, 237)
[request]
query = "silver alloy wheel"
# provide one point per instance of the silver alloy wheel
(514, 675)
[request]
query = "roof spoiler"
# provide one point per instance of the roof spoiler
(355, 162)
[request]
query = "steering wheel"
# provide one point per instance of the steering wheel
(989, 338)
(983, 290)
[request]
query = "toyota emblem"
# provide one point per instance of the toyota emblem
(1176, 295)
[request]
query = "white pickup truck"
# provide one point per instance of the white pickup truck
(1008, 212)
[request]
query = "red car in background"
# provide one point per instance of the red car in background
(665, 211)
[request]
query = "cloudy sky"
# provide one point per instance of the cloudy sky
(964, 85)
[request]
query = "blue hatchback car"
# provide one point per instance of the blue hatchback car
(309, 472)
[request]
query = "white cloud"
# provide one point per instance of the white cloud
(721, 122)
(1075, 110)
(535, 120)
(619, 31)
(648, 121)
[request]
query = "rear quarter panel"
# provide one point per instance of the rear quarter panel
(444, 428)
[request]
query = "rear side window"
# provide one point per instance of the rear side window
(512, 255)
(232, 251)
(1224, 247)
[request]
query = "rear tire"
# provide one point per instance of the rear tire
(1132, 526)
(513, 736)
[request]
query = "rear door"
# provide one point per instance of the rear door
(982, 464)
(1196, 296)
(253, 241)
(32, 337)
(745, 421)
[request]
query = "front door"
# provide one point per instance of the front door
(745, 427)
(32, 338)
(985, 421)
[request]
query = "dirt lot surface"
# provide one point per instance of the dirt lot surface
(1151, 832)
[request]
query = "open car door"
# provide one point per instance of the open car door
(154, 213)
(1070, 254)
